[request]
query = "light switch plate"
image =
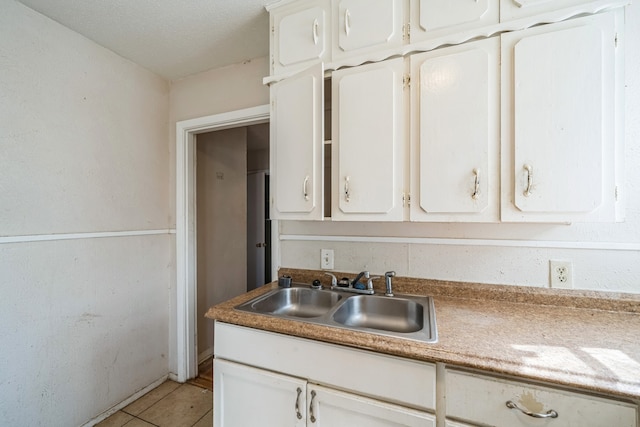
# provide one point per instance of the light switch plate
(326, 259)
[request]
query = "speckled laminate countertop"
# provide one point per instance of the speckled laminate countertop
(584, 339)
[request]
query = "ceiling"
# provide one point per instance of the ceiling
(171, 38)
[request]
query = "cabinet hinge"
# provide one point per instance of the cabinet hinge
(615, 40)
(617, 193)
(273, 30)
(406, 200)
(406, 81)
(406, 32)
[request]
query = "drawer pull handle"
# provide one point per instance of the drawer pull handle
(476, 184)
(298, 414)
(305, 189)
(549, 414)
(312, 417)
(529, 170)
(315, 31)
(347, 190)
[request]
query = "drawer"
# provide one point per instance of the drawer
(479, 399)
(388, 378)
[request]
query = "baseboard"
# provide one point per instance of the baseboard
(106, 414)
(205, 355)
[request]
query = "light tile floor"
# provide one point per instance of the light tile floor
(169, 405)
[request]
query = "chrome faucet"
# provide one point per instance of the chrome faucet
(350, 285)
(359, 276)
(387, 281)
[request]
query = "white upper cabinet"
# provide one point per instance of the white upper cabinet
(559, 102)
(455, 133)
(300, 35)
(434, 18)
(514, 9)
(365, 26)
(368, 139)
(297, 155)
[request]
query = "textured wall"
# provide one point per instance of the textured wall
(84, 317)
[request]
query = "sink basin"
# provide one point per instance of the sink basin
(295, 302)
(402, 316)
(377, 312)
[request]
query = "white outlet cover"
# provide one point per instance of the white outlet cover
(561, 274)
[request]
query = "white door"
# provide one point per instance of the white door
(332, 408)
(368, 142)
(256, 233)
(300, 35)
(363, 25)
(558, 118)
(246, 396)
(455, 150)
(297, 157)
(432, 18)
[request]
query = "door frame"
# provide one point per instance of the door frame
(186, 274)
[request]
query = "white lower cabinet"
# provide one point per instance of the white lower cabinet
(246, 396)
(484, 400)
(332, 408)
(266, 379)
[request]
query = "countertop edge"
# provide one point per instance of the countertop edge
(427, 352)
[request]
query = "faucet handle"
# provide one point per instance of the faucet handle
(390, 274)
(334, 279)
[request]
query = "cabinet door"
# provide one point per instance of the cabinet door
(501, 403)
(297, 158)
(433, 18)
(363, 25)
(559, 107)
(300, 35)
(368, 142)
(514, 9)
(245, 396)
(331, 408)
(455, 149)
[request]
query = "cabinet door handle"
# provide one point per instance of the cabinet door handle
(315, 31)
(305, 191)
(347, 22)
(347, 190)
(529, 170)
(476, 184)
(298, 414)
(312, 417)
(549, 414)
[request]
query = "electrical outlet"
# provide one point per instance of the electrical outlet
(561, 274)
(326, 259)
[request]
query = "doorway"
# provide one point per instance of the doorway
(186, 356)
(231, 170)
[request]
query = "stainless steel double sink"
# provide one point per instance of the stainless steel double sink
(402, 316)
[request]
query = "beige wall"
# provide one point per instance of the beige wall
(213, 92)
(84, 318)
(221, 218)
